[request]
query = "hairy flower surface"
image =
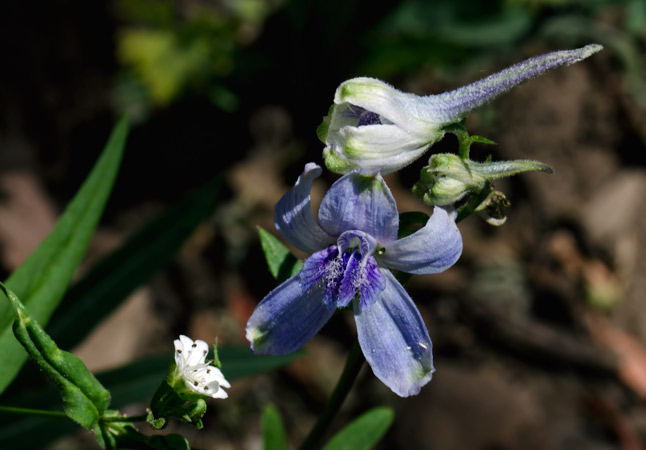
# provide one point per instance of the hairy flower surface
(375, 127)
(352, 247)
(199, 376)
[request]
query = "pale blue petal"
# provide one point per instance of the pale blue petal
(293, 215)
(287, 318)
(394, 339)
(360, 202)
(452, 106)
(432, 249)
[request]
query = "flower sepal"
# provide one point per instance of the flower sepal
(168, 404)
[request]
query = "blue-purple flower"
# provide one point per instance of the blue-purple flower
(352, 247)
(375, 127)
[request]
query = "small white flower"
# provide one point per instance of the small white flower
(198, 374)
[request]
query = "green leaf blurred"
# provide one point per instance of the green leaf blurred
(116, 276)
(282, 264)
(364, 432)
(84, 398)
(273, 431)
(43, 278)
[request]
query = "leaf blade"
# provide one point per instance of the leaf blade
(364, 432)
(84, 398)
(117, 275)
(42, 279)
(273, 431)
(282, 264)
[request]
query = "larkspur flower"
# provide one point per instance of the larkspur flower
(352, 247)
(198, 375)
(374, 127)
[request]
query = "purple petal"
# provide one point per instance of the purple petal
(315, 267)
(373, 283)
(351, 280)
(394, 340)
(360, 202)
(433, 249)
(453, 106)
(293, 215)
(287, 318)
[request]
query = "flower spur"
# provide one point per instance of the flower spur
(375, 127)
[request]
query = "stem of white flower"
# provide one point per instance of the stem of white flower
(344, 385)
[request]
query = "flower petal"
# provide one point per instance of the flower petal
(293, 215)
(433, 249)
(375, 148)
(452, 106)
(403, 109)
(373, 283)
(360, 202)
(394, 339)
(315, 267)
(287, 318)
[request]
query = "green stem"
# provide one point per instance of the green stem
(464, 141)
(32, 412)
(125, 419)
(350, 371)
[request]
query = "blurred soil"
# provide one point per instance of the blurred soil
(539, 330)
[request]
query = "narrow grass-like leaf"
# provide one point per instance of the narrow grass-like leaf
(116, 276)
(84, 398)
(364, 432)
(43, 278)
(273, 431)
(282, 264)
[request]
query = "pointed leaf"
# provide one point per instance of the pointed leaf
(363, 433)
(273, 430)
(282, 264)
(116, 276)
(43, 278)
(84, 398)
(481, 140)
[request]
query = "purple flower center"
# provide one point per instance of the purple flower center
(345, 269)
(365, 117)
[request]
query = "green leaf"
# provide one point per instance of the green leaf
(84, 398)
(116, 276)
(481, 140)
(43, 278)
(364, 432)
(132, 383)
(273, 430)
(282, 264)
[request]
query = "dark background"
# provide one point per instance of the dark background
(539, 330)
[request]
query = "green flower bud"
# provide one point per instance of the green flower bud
(448, 178)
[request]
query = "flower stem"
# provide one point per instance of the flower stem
(126, 419)
(32, 412)
(350, 371)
